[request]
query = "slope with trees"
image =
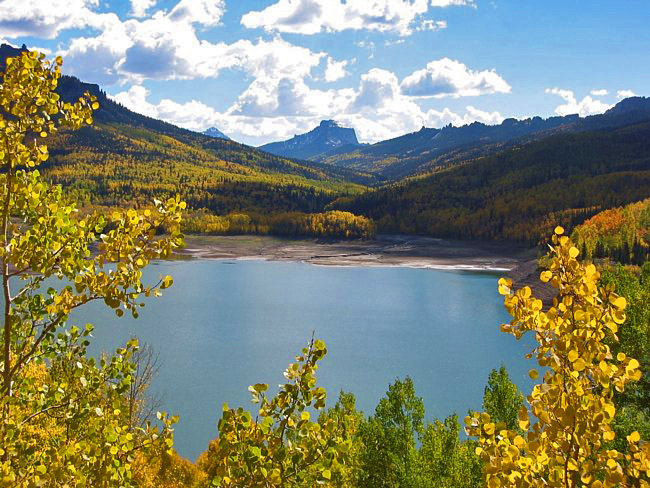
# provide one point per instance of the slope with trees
(621, 233)
(519, 194)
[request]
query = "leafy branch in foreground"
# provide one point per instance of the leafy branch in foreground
(570, 444)
(281, 446)
(64, 416)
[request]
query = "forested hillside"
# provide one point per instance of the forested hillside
(621, 233)
(521, 193)
(430, 149)
(113, 164)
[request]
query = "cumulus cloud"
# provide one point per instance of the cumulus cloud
(335, 70)
(621, 94)
(586, 106)
(205, 12)
(447, 77)
(139, 7)
(599, 93)
(314, 16)
(45, 19)
(166, 47)
(288, 97)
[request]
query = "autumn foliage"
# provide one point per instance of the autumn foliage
(64, 415)
(568, 429)
(621, 233)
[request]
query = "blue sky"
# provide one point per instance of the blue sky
(263, 70)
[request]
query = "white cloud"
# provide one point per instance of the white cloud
(366, 44)
(136, 99)
(288, 97)
(586, 106)
(625, 94)
(314, 16)
(45, 19)
(165, 46)
(476, 115)
(205, 12)
(139, 7)
(446, 77)
(335, 70)
(599, 93)
(429, 24)
(380, 110)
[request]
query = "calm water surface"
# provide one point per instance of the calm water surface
(225, 325)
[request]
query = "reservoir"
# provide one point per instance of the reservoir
(227, 324)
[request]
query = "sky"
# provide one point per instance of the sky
(264, 70)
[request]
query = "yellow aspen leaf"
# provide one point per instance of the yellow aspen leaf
(573, 252)
(604, 367)
(559, 230)
(618, 302)
(634, 437)
(534, 374)
(579, 364)
(504, 286)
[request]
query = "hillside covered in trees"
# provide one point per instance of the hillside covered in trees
(621, 233)
(521, 193)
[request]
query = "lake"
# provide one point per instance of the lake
(225, 325)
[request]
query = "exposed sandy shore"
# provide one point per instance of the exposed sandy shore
(408, 251)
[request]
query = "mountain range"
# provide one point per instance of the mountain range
(429, 148)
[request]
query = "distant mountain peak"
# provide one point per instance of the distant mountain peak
(216, 133)
(328, 136)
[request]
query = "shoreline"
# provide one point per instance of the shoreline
(384, 251)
